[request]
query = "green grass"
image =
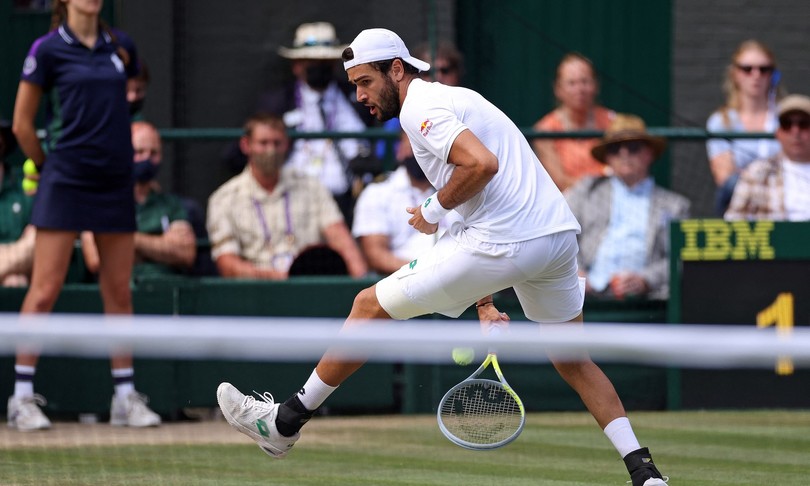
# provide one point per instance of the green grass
(556, 449)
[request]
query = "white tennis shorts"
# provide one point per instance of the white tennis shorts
(457, 272)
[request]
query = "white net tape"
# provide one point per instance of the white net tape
(306, 339)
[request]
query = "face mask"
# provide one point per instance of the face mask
(319, 76)
(136, 106)
(269, 163)
(145, 170)
(412, 166)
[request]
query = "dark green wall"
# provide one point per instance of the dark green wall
(512, 49)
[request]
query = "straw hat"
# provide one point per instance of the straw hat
(316, 40)
(625, 128)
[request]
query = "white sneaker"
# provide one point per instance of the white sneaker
(256, 419)
(24, 413)
(131, 411)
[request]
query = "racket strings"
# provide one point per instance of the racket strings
(482, 413)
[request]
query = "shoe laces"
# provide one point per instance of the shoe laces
(138, 401)
(35, 399)
(265, 405)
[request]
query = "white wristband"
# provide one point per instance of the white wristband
(432, 210)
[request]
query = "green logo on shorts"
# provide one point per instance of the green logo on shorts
(412, 264)
(427, 201)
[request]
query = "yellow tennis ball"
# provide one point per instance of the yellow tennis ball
(463, 356)
(29, 186)
(30, 168)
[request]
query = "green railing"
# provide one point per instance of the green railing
(672, 133)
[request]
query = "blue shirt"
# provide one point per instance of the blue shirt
(86, 107)
(743, 150)
(624, 246)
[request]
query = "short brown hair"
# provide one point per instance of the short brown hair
(273, 121)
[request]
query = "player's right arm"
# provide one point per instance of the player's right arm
(25, 112)
(475, 165)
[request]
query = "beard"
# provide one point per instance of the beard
(269, 163)
(389, 101)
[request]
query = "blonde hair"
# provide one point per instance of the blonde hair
(730, 88)
(59, 14)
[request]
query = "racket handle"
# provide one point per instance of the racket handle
(494, 330)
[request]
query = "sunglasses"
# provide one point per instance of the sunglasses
(787, 123)
(749, 68)
(632, 146)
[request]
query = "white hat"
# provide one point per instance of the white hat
(316, 40)
(373, 45)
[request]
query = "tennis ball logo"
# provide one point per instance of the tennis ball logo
(463, 356)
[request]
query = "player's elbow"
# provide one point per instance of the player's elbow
(488, 166)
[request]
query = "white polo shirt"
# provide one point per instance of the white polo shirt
(380, 210)
(521, 202)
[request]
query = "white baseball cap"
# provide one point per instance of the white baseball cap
(373, 45)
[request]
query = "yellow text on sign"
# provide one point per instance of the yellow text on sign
(726, 240)
(779, 314)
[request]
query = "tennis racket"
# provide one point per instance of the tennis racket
(482, 414)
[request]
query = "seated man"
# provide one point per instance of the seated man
(778, 188)
(165, 243)
(262, 219)
(624, 244)
(381, 222)
(16, 235)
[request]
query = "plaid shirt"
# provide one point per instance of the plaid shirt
(760, 192)
(246, 220)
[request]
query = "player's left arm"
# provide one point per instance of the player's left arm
(475, 166)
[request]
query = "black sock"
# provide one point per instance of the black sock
(292, 415)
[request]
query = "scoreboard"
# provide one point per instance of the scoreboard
(740, 273)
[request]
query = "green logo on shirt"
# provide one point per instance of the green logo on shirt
(427, 201)
(412, 264)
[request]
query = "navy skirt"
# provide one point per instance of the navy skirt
(84, 197)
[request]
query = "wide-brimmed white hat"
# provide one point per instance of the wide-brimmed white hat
(315, 40)
(373, 45)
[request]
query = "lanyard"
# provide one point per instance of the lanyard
(287, 216)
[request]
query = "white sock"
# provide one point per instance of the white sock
(24, 381)
(124, 381)
(314, 392)
(622, 436)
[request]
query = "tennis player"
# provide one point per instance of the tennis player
(517, 232)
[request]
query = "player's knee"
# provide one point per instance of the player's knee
(367, 305)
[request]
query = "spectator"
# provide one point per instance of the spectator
(624, 244)
(16, 235)
(778, 188)
(575, 87)
(752, 90)
(313, 102)
(381, 222)
(447, 68)
(165, 242)
(137, 87)
(262, 219)
(80, 69)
